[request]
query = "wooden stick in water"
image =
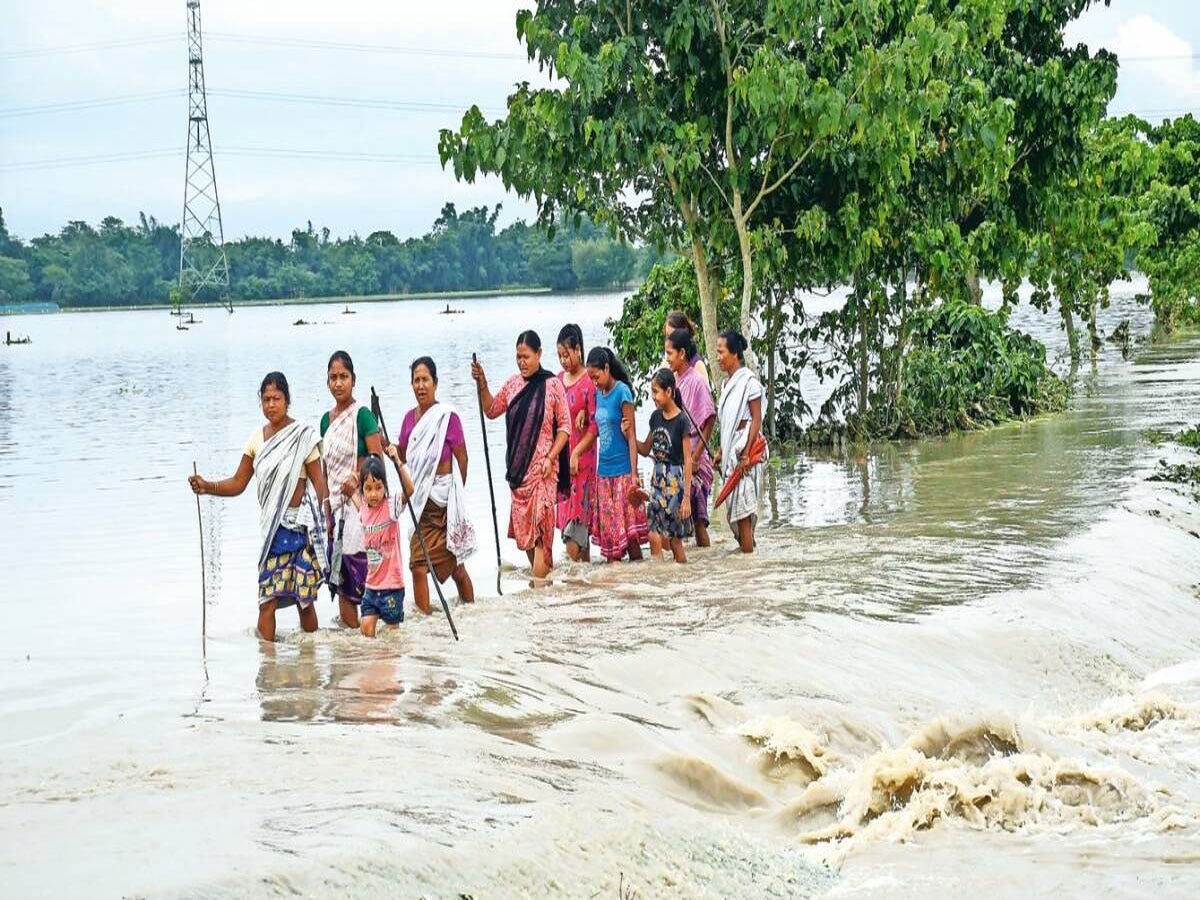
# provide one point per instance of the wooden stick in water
(377, 409)
(487, 460)
(203, 577)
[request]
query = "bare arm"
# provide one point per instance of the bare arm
(402, 471)
(316, 474)
(643, 446)
(226, 487)
(699, 446)
(631, 435)
(687, 465)
(460, 456)
(584, 445)
(375, 443)
(485, 393)
(755, 428)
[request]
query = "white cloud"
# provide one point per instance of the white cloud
(1159, 54)
(1158, 76)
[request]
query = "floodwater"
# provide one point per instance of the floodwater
(969, 664)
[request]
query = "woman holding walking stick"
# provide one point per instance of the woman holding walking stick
(285, 458)
(537, 425)
(434, 449)
(348, 433)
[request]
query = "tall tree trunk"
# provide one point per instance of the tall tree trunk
(1072, 337)
(901, 341)
(1093, 333)
(864, 364)
(743, 233)
(772, 339)
(974, 288)
(708, 310)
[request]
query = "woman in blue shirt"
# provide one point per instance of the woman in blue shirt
(620, 525)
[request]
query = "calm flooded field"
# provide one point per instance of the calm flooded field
(962, 665)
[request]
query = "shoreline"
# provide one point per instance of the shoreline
(316, 301)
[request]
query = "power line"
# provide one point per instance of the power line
(239, 94)
(245, 152)
(358, 102)
(116, 44)
(455, 53)
(264, 40)
(95, 103)
(63, 162)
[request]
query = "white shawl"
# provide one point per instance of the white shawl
(277, 468)
(340, 449)
(734, 409)
(423, 455)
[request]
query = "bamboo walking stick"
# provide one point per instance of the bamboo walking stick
(487, 459)
(378, 411)
(203, 576)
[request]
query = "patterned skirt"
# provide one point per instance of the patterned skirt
(617, 522)
(531, 518)
(666, 497)
(289, 576)
(702, 483)
(353, 575)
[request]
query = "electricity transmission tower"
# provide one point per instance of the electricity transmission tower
(203, 266)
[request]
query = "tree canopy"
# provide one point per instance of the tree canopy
(118, 264)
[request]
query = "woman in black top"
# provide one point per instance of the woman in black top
(670, 445)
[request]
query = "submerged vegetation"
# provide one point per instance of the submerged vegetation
(906, 150)
(1184, 474)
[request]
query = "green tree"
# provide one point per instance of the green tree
(1171, 205)
(693, 123)
(15, 283)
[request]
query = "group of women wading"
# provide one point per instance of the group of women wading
(328, 515)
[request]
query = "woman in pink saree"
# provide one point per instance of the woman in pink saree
(537, 425)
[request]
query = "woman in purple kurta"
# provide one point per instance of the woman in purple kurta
(700, 409)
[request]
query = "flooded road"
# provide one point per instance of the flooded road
(969, 664)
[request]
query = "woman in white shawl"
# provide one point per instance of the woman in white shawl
(740, 415)
(285, 457)
(431, 442)
(348, 433)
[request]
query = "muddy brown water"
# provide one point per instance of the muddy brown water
(969, 664)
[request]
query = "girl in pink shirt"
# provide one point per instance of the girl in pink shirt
(383, 597)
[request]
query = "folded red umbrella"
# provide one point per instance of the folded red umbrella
(758, 452)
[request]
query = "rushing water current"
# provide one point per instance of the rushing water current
(958, 665)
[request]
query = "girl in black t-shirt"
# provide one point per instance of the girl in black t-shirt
(670, 446)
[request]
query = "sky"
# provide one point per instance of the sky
(282, 159)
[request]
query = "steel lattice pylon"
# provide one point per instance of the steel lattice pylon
(203, 265)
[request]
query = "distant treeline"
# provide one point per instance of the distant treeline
(119, 264)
